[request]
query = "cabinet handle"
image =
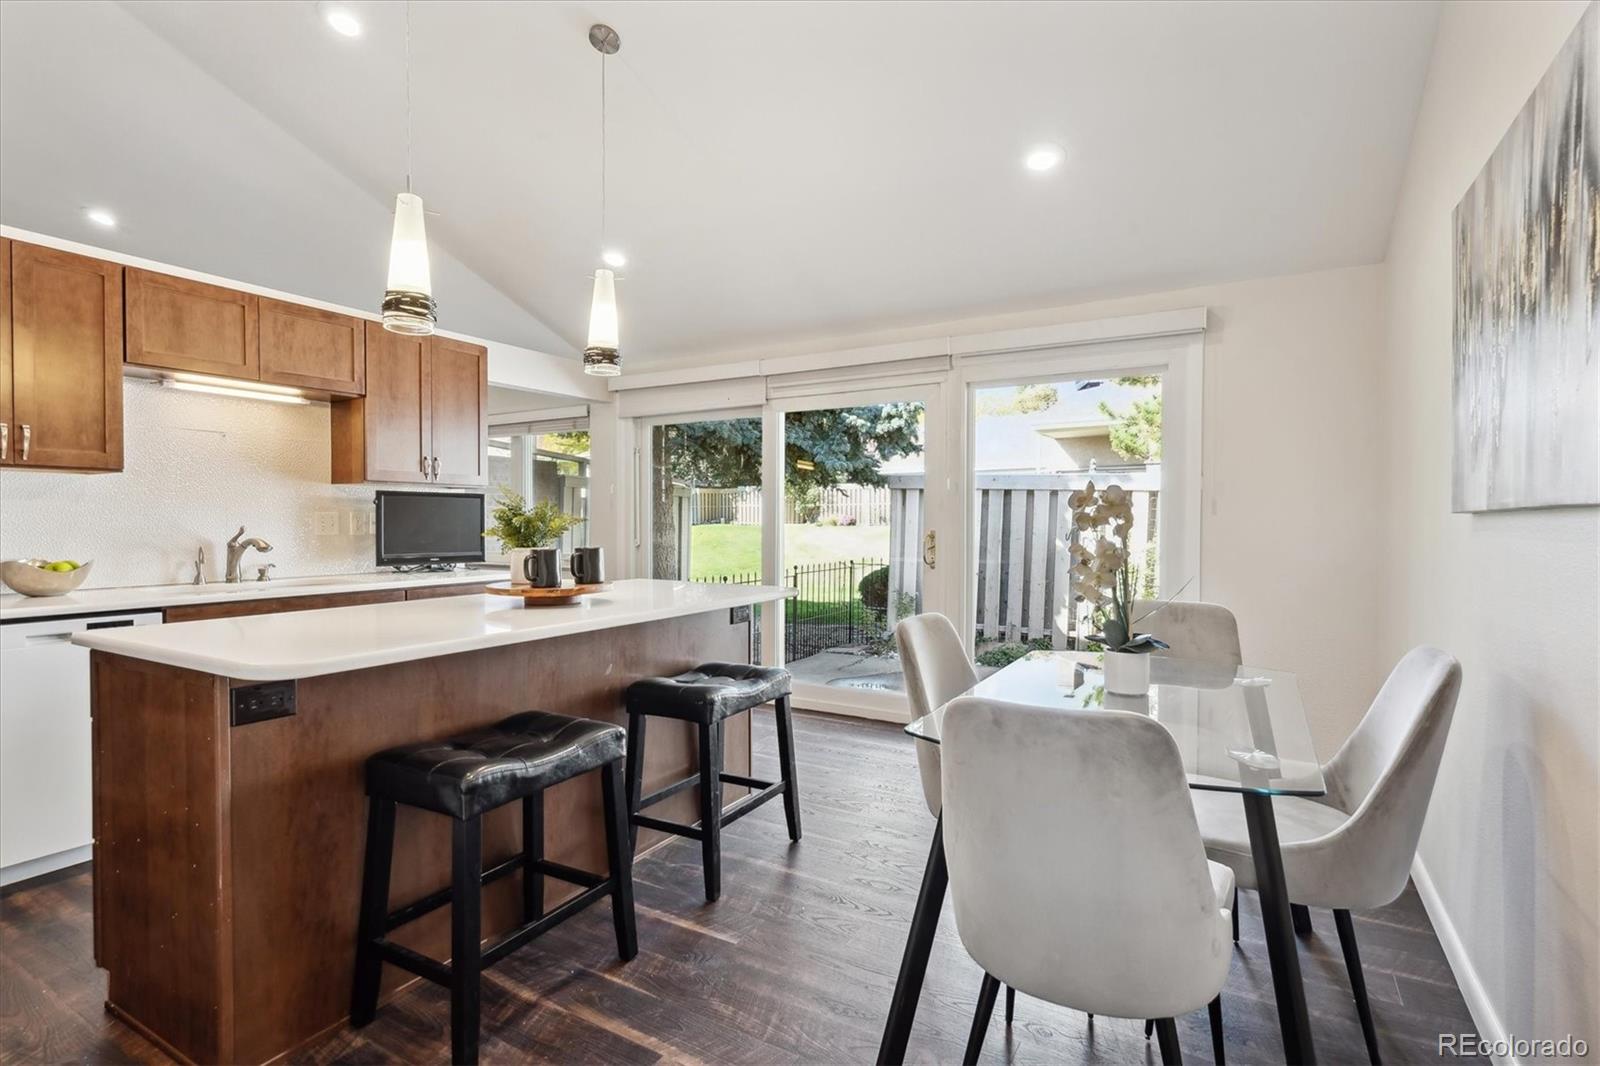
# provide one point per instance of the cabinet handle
(27, 439)
(5, 440)
(425, 468)
(436, 468)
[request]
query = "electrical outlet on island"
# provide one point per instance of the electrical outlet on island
(325, 523)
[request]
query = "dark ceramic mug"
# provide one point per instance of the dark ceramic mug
(589, 566)
(542, 568)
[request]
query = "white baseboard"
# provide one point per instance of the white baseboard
(22, 871)
(1484, 1015)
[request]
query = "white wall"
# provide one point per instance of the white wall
(197, 467)
(1292, 471)
(1511, 844)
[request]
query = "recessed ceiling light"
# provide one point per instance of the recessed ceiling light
(101, 217)
(1043, 157)
(342, 19)
(614, 258)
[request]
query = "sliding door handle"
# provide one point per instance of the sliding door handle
(930, 549)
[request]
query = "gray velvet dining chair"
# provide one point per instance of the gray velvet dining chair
(936, 670)
(1203, 631)
(1076, 866)
(1352, 849)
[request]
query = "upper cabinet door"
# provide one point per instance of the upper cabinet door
(5, 351)
(397, 419)
(178, 324)
(312, 349)
(459, 375)
(66, 360)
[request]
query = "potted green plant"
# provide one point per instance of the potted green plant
(1103, 576)
(520, 528)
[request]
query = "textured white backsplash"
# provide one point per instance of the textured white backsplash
(197, 467)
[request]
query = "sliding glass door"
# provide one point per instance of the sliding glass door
(1118, 414)
(856, 539)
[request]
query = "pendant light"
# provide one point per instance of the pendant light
(600, 354)
(408, 305)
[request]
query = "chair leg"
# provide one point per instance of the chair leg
(620, 860)
(1236, 914)
(980, 1019)
(466, 942)
(1214, 1011)
(791, 784)
(1301, 916)
(1011, 1003)
(1167, 1038)
(635, 774)
(1358, 981)
(532, 852)
(711, 808)
(374, 910)
(1149, 1027)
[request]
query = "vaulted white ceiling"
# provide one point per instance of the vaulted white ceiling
(778, 170)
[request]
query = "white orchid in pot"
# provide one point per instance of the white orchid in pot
(1103, 576)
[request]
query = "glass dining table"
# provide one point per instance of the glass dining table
(1239, 729)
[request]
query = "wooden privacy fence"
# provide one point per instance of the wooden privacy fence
(858, 505)
(1023, 533)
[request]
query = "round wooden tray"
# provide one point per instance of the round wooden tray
(543, 597)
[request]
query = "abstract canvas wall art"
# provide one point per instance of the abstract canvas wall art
(1527, 300)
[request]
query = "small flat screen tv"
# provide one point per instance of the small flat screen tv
(429, 528)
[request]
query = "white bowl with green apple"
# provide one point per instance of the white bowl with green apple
(44, 577)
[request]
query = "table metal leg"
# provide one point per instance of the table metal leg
(919, 944)
(1282, 951)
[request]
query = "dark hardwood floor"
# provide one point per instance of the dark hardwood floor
(794, 964)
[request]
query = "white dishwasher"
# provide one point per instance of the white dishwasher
(45, 754)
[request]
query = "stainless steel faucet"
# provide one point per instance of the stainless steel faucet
(200, 566)
(238, 544)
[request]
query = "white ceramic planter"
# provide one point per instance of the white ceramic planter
(516, 557)
(1127, 673)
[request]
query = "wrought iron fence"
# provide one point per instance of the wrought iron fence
(830, 611)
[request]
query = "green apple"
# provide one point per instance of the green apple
(62, 567)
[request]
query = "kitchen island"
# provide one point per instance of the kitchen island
(229, 806)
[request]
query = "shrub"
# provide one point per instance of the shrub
(874, 589)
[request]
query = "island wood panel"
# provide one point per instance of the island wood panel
(309, 348)
(240, 608)
(64, 371)
(163, 927)
(291, 804)
(179, 324)
(434, 592)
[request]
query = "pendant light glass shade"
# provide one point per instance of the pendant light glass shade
(408, 305)
(600, 355)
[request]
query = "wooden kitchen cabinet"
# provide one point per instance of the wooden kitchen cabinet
(278, 605)
(178, 324)
(458, 379)
(424, 418)
(60, 359)
(313, 349)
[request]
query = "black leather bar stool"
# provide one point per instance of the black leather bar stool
(707, 696)
(464, 778)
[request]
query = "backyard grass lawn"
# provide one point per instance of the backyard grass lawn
(719, 551)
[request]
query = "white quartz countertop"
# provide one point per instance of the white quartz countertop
(15, 607)
(279, 647)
